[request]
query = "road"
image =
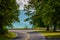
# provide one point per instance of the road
(27, 35)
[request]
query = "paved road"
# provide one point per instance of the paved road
(20, 35)
(27, 35)
(36, 36)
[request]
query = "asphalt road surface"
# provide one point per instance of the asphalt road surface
(36, 36)
(27, 35)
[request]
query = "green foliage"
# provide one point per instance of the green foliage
(45, 10)
(9, 12)
(8, 36)
(50, 34)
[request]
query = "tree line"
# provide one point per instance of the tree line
(42, 13)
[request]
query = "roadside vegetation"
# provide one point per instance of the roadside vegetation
(50, 34)
(7, 36)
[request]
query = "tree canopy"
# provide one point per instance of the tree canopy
(9, 12)
(47, 10)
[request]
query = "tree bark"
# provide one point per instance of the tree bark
(54, 28)
(47, 28)
(1, 29)
(55, 24)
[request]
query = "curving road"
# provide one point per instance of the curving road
(36, 36)
(27, 35)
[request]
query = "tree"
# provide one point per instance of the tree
(34, 19)
(9, 13)
(36, 16)
(26, 27)
(51, 12)
(47, 10)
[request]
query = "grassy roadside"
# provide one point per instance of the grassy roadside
(50, 34)
(8, 36)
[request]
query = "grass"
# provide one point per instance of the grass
(8, 36)
(50, 34)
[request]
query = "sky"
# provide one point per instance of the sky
(21, 3)
(22, 24)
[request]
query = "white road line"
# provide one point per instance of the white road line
(28, 36)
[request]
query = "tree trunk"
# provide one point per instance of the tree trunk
(2, 31)
(47, 28)
(55, 24)
(54, 28)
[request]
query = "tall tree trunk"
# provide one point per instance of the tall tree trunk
(55, 24)
(54, 28)
(1, 29)
(47, 28)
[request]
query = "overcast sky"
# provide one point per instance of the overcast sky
(21, 3)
